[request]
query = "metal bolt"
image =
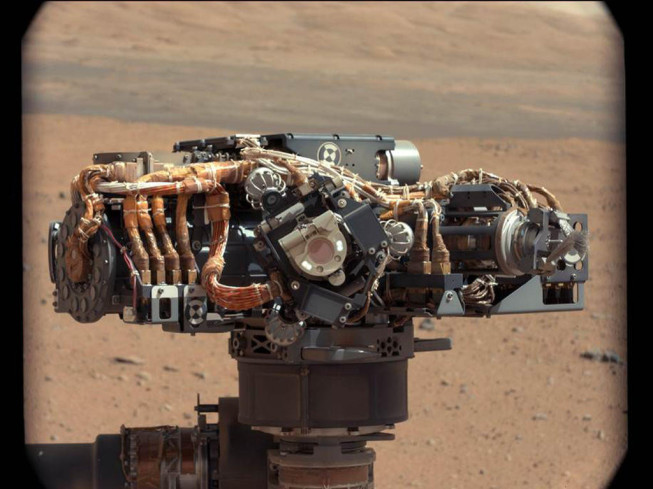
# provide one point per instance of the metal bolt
(197, 245)
(342, 319)
(342, 203)
(295, 285)
(371, 251)
(384, 244)
(573, 276)
(449, 296)
(348, 306)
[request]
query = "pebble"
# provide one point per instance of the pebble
(539, 417)
(587, 417)
(48, 378)
(508, 457)
(132, 360)
(43, 302)
(430, 442)
(188, 416)
(167, 407)
(600, 435)
(463, 388)
(427, 325)
(517, 329)
(200, 375)
(170, 368)
(54, 437)
(445, 382)
(550, 381)
(144, 376)
(62, 195)
(122, 377)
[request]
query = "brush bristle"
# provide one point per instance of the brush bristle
(581, 242)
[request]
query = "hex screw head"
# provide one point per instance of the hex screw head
(342, 203)
(294, 285)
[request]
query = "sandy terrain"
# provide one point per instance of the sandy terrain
(412, 69)
(513, 404)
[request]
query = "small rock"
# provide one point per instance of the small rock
(445, 382)
(98, 375)
(43, 302)
(549, 381)
(600, 315)
(54, 437)
(170, 368)
(167, 407)
(463, 388)
(62, 195)
(481, 471)
(587, 417)
(427, 325)
(600, 435)
(508, 457)
(608, 356)
(48, 378)
(517, 329)
(200, 375)
(132, 360)
(123, 377)
(430, 442)
(188, 416)
(144, 376)
(540, 417)
(519, 437)
(611, 357)
(139, 383)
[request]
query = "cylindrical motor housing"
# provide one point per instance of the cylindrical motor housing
(402, 164)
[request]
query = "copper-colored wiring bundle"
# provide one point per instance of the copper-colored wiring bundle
(234, 298)
(157, 264)
(178, 264)
(170, 256)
